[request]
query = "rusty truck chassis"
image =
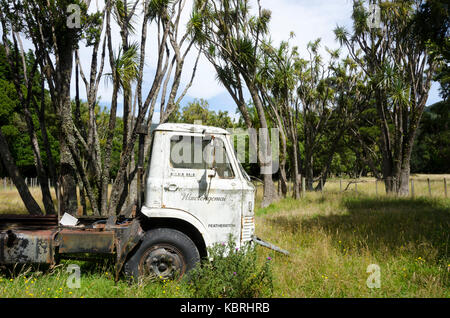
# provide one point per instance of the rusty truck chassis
(28, 239)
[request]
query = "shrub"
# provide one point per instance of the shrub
(232, 273)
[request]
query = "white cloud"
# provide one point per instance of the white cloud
(309, 20)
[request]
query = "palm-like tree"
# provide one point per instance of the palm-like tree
(230, 38)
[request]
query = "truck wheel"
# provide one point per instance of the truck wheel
(164, 254)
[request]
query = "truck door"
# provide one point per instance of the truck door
(191, 184)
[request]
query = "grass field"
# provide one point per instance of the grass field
(332, 236)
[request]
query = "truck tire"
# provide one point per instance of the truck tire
(163, 254)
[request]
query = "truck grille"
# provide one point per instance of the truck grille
(248, 228)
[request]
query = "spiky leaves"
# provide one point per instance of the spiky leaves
(399, 68)
(126, 66)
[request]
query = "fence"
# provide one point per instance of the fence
(7, 184)
(418, 186)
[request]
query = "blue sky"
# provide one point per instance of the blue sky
(309, 20)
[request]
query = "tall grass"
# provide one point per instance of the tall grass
(96, 281)
(11, 202)
(332, 238)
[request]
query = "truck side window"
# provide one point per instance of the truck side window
(187, 152)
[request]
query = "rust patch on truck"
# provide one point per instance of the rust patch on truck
(85, 241)
(127, 238)
(27, 247)
(26, 239)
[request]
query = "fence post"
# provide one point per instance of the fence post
(445, 187)
(340, 185)
(412, 188)
(376, 187)
(321, 185)
(429, 186)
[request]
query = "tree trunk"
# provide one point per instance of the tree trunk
(295, 170)
(107, 157)
(403, 187)
(8, 161)
(68, 170)
(42, 124)
(82, 198)
(283, 177)
(69, 199)
(404, 173)
(41, 174)
(309, 170)
(283, 180)
(132, 197)
(264, 151)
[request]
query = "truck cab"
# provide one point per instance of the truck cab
(198, 193)
(194, 176)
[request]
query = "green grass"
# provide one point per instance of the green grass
(332, 238)
(96, 281)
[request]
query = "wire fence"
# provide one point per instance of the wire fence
(6, 184)
(418, 186)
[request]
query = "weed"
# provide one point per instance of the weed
(232, 273)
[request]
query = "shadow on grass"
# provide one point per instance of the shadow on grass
(419, 226)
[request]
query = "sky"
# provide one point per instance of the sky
(307, 19)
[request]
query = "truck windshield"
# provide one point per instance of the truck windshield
(189, 152)
(244, 173)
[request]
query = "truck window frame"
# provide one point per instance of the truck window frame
(226, 150)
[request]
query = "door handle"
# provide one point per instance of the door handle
(171, 187)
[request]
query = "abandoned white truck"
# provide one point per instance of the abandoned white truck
(196, 194)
